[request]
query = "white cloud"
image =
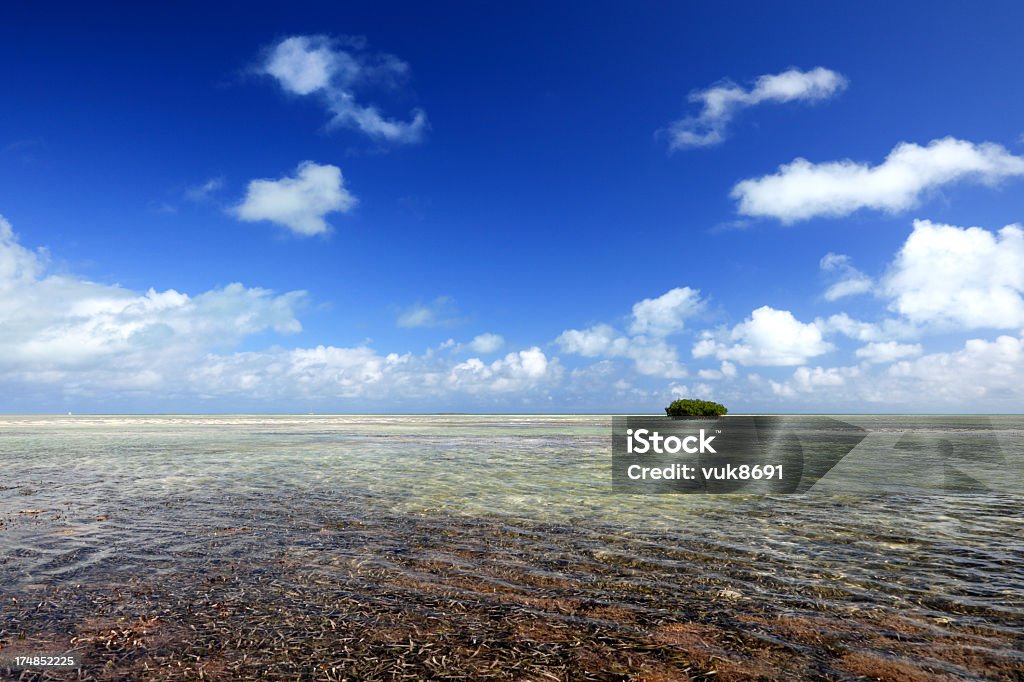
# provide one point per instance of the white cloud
(71, 329)
(959, 277)
(66, 337)
(437, 313)
(768, 337)
(719, 104)
(18, 265)
(651, 355)
(330, 373)
(592, 342)
(810, 379)
(848, 287)
(515, 372)
(483, 344)
(486, 343)
(846, 325)
(655, 358)
(300, 202)
(782, 389)
(652, 320)
(308, 65)
(980, 370)
(304, 65)
(849, 280)
(199, 193)
(887, 351)
(982, 376)
(95, 345)
(726, 370)
(807, 378)
(802, 190)
(667, 313)
(843, 324)
(678, 391)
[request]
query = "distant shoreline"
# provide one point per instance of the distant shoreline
(499, 414)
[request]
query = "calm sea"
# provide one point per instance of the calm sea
(487, 522)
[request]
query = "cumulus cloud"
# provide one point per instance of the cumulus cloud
(719, 104)
(439, 312)
(847, 326)
(959, 277)
(18, 265)
(768, 337)
(514, 372)
(81, 340)
(887, 351)
(651, 321)
(651, 356)
(849, 281)
(592, 342)
(884, 330)
(801, 189)
(808, 379)
(66, 327)
(334, 70)
(980, 370)
(482, 344)
(298, 203)
(328, 373)
(983, 375)
(65, 337)
(726, 370)
(667, 313)
(486, 344)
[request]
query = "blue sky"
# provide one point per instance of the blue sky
(581, 207)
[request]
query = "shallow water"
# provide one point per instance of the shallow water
(511, 519)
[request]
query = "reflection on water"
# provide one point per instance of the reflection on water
(448, 530)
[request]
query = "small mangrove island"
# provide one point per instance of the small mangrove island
(691, 407)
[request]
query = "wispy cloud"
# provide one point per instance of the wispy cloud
(721, 103)
(439, 312)
(486, 343)
(27, 151)
(482, 344)
(333, 70)
(849, 281)
(298, 203)
(203, 192)
(887, 351)
(801, 190)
